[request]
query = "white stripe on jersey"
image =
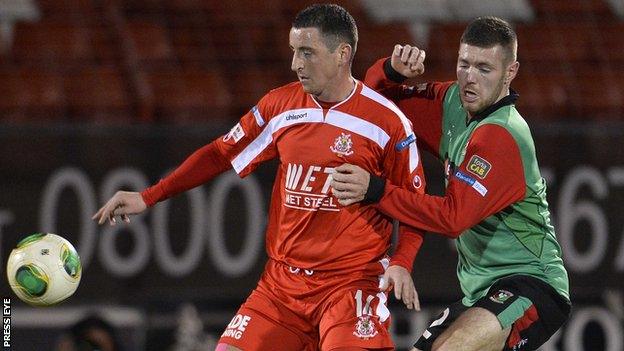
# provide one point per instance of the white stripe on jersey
(264, 139)
(375, 96)
(359, 126)
(258, 116)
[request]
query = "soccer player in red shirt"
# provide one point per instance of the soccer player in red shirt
(321, 285)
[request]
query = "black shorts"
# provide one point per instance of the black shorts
(533, 309)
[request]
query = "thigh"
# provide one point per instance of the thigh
(532, 309)
(476, 329)
(262, 323)
(439, 325)
(356, 316)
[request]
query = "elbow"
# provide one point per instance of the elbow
(455, 226)
(454, 232)
(456, 219)
(450, 229)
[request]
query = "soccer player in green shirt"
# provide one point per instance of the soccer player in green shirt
(515, 286)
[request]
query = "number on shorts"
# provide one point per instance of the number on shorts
(359, 311)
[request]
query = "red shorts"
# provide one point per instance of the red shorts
(294, 309)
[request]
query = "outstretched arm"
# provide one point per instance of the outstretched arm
(203, 165)
(469, 198)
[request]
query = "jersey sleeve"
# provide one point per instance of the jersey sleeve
(403, 166)
(490, 178)
(422, 103)
(250, 142)
(243, 148)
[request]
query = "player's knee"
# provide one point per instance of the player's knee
(226, 347)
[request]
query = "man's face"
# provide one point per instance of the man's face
(481, 74)
(315, 65)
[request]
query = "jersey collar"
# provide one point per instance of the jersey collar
(356, 89)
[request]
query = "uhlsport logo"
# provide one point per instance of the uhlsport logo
(296, 116)
(237, 326)
(501, 296)
(342, 145)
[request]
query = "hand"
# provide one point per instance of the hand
(122, 204)
(349, 184)
(400, 279)
(408, 60)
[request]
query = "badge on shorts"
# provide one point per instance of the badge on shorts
(501, 296)
(365, 328)
(478, 166)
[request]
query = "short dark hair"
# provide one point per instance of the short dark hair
(334, 22)
(487, 32)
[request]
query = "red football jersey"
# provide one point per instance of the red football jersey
(307, 228)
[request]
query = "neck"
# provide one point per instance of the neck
(506, 93)
(339, 91)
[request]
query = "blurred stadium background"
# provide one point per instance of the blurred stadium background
(96, 95)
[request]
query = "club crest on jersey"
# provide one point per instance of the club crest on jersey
(365, 328)
(417, 182)
(342, 145)
(501, 296)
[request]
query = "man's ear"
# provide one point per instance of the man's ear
(512, 71)
(346, 51)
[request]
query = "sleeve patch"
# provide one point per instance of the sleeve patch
(405, 142)
(236, 133)
(479, 166)
(257, 116)
(480, 188)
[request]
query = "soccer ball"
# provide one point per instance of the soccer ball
(44, 269)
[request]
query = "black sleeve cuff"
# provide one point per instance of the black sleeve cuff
(391, 73)
(376, 188)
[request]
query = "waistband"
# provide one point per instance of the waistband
(373, 268)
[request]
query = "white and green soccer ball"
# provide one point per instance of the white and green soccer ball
(44, 269)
